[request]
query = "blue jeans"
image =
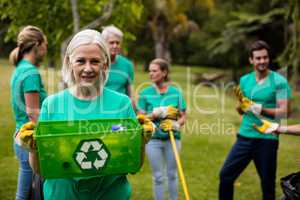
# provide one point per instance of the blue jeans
(264, 154)
(25, 173)
(159, 153)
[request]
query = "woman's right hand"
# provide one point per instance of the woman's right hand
(168, 125)
(25, 136)
(148, 126)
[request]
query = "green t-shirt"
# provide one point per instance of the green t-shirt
(64, 106)
(26, 78)
(275, 87)
(150, 98)
(120, 75)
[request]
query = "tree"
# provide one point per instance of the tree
(52, 17)
(290, 55)
(166, 18)
(237, 35)
(76, 17)
(59, 19)
(92, 25)
(278, 22)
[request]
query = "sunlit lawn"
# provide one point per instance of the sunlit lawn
(208, 136)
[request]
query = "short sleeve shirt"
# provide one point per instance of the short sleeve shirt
(150, 98)
(26, 78)
(121, 74)
(275, 87)
(64, 106)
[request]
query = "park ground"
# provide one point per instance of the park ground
(207, 137)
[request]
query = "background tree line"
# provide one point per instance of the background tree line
(189, 32)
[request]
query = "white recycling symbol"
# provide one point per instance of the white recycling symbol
(81, 156)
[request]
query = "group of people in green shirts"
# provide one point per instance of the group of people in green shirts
(99, 82)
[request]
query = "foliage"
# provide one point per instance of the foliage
(238, 34)
(290, 55)
(278, 22)
(208, 32)
(168, 19)
(55, 17)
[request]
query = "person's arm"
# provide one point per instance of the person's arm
(32, 101)
(282, 110)
(289, 130)
(130, 95)
(32, 104)
(33, 161)
(239, 110)
(181, 118)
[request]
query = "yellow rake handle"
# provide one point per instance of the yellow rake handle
(179, 166)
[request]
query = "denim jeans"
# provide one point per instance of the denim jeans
(161, 157)
(25, 173)
(264, 154)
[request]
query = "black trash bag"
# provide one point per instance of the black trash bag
(291, 186)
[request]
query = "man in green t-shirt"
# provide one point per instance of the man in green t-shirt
(263, 93)
(121, 74)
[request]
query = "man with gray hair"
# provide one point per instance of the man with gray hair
(121, 74)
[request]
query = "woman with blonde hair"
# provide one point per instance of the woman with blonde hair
(27, 94)
(165, 105)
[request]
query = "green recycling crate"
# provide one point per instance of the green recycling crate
(81, 148)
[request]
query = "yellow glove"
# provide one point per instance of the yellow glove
(25, 136)
(267, 127)
(246, 104)
(238, 93)
(168, 112)
(169, 125)
(148, 126)
(142, 118)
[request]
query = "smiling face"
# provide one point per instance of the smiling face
(156, 74)
(88, 63)
(260, 59)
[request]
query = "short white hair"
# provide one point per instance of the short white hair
(84, 37)
(111, 30)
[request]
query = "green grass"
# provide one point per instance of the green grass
(207, 139)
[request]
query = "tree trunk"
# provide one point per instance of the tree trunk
(76, 17)
(107, 11)
(161, 41)
(161, 47)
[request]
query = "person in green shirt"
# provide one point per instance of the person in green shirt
(165, 105)
(262, 93)
(121, 73)
(27, 94)
(85, 70)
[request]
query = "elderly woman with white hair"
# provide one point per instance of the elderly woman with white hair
(85, 68)
(121, 74)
